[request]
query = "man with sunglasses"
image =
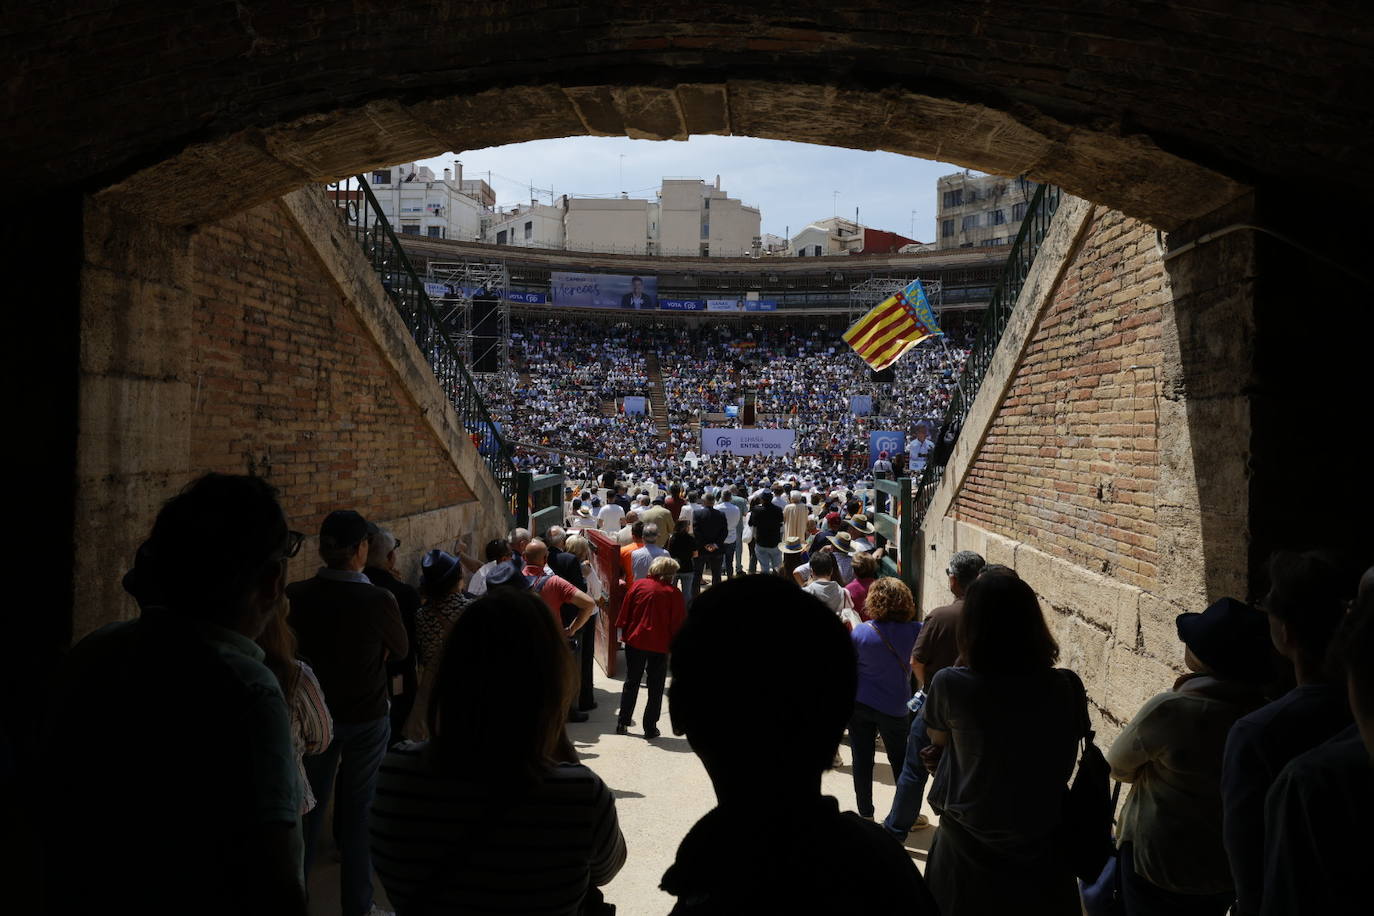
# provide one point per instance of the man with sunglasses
(347, 628)
(170, 770)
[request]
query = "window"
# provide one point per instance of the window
(818, 251)
(501, 237)
(382, 176)
(529, 229)
(996, 218)
(705, 230)
(705, 249)
(707, 205)
(410, 228)
(436, 232)
(946, 228)
(801, 252)
(1018, 212)
(954, 198)
(970, 222)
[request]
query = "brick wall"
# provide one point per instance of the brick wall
(291, 387)
(1070, 464)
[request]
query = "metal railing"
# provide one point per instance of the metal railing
(364, 218)
(1036, 225)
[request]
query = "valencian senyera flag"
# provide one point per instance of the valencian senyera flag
(894, 326)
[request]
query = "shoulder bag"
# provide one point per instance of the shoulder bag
(1085, 831)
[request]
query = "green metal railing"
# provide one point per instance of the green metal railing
(1036, 225)
(370, 227)
(893, 518)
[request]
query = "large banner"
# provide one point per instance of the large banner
(438, 291)
(748, 441)
(683, 305)
(634, 404)
(760, 305)
(891, 441)
(723, 305)
(861, 405)
(603, 291)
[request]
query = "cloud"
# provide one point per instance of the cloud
(792, 184)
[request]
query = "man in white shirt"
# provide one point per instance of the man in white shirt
(497, 553)
(732, 529)
(610, 517)
(919, 449)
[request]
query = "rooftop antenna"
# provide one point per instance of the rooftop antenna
(835, 200)
(622, 173)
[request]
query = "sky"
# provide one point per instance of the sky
(792, 184)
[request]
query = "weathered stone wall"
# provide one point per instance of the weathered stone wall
(290, 386)
(1076, 465)
(1070, 463)
(240, 347)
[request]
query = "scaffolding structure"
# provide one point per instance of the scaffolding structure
(864, 295)
(465, 282)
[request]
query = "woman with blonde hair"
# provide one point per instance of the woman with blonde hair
(883, 644)
(651, 613)
(312, 727)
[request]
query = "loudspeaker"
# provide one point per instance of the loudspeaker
(486, 324)
(883, 376)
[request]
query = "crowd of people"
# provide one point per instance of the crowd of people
(1250, 780)
(563, 397)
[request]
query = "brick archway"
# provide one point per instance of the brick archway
(191, 111)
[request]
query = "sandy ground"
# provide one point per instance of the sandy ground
(660, 789)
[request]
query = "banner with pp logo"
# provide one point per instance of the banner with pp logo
(748, 441)
(891, 441)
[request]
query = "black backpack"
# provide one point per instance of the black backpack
(1085, 834)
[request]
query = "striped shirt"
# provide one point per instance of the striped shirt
(536, 855)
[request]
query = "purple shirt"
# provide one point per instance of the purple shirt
(884, 673)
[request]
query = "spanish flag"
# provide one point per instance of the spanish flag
(894, 326)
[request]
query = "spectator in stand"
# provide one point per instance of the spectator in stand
(823, 585)
(650, 616)
(1305, 605)
(1317, 843)
(709, 526)
(641, 558)
(1172, 858)
(865, 574)
(462, 823)
(626, 533)
(348, 627)
(574, 563)
(817, 859)
(401, 673)
(936, 648)
(519, 537)
(766, 520)
(608, 519)
(444, 600)
(183, 682)
(1000, 806)
(682, 546)
(883, 646)
(882, 468)
(627, 551)
(795, 517)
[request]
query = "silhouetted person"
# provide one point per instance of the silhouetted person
(401, 672)
(1306, 603)
(1318, 847)
(774, 843)
(171, 781)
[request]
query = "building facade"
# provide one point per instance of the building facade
(533, 225)
(417, 203)
(980, 210)
(837, 235)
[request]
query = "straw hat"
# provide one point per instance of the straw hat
(793, 545)
(843, 542)
(861, 524)
(584, 512)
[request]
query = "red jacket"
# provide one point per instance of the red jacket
(651, 615)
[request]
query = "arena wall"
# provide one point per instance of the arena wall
(1076, 464)
(259, 344)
